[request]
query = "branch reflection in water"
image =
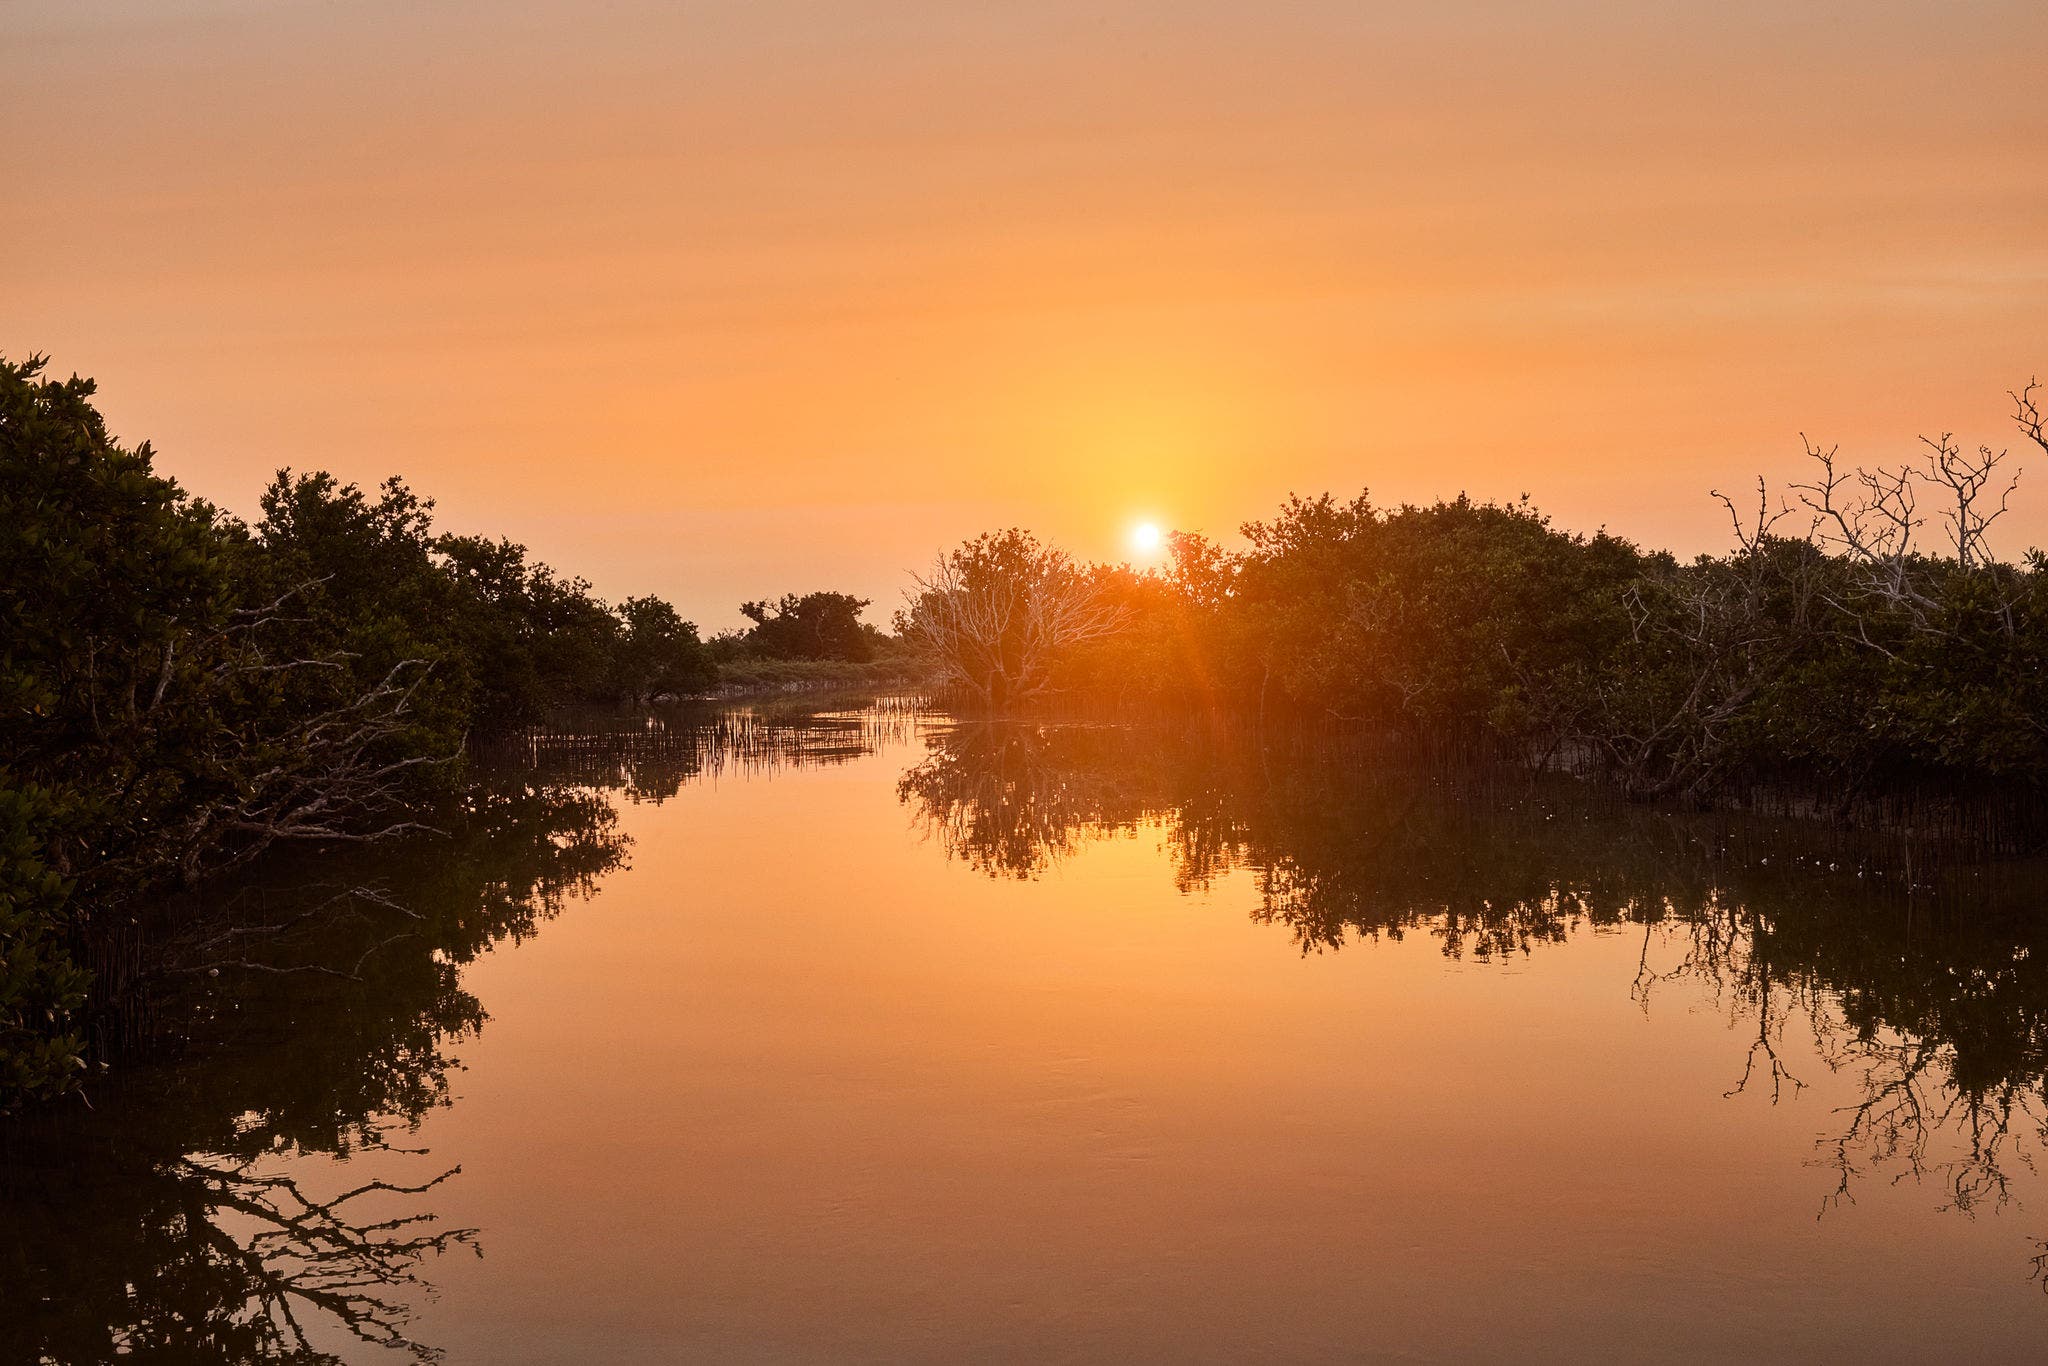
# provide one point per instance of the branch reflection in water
(242, 1191)
(1914, 971)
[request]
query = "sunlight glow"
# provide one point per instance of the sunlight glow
(1146, 538)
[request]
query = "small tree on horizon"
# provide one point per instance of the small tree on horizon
(815, 626)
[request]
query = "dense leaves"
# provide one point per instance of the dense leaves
(1844, 657)
(118, 589)
(180, 693)
(814, 626)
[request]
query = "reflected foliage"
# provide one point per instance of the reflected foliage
(243, 1265)
(648, 758)
(189, 1215)
(241, 1189)
(1013, 800)
(1916, 974)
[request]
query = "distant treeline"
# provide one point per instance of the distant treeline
(1860, 635)
(181, 691)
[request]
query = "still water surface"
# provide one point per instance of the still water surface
(867, 1036)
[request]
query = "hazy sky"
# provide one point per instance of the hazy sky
(722, 300)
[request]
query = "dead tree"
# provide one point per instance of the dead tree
(1872, 518)
(1717, 634)
(994, 616)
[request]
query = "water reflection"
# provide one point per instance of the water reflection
(294, 1018)
(254, 1189)
(207, 1258)
(1911, 971)
(649, 758)
(242, 1190)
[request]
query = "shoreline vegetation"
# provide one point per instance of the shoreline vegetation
(741, 679)
(186, 694)
(1861, 644)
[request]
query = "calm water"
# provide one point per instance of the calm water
(871, 1037)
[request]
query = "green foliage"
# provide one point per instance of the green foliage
(118, 585)
(1783, 660)
(1451, 619)
(362, 594)
(180, 693)
(1480, 629)
(119, 589)
(1460, 621)
(815, 626)
(41, 991)
(659, 653)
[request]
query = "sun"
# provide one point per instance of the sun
(1146, 538)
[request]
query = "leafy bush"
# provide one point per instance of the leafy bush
(180, 693)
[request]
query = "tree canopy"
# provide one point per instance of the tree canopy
(180, 692)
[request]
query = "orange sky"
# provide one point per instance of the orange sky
(721, 301)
